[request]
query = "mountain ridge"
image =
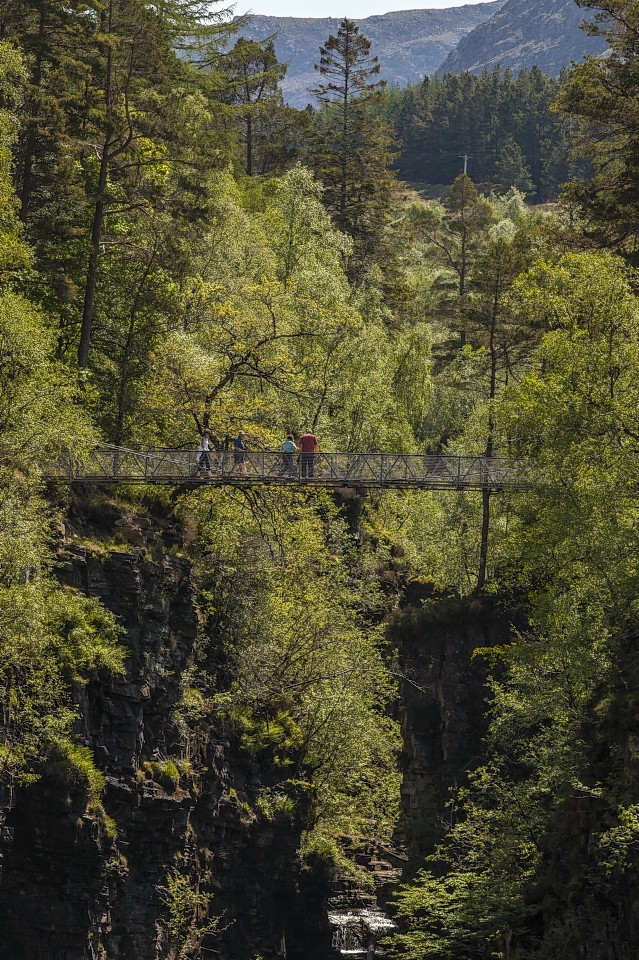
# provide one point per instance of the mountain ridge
(522, 34)
(410, 44)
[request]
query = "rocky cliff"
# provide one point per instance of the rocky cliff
(410, 44)
(177, 851)
(181, 822)
(521, 34)
(443, 704)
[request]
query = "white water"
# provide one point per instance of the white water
(355, 932)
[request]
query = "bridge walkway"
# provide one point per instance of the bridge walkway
(110, 464)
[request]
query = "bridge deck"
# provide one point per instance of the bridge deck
(428, 471)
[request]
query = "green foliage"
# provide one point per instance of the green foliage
(601, 94)
(272, 339)
(505, 124)
(14, 253)
(75, 764)
(618, 846)
(318, 298)
(39, 411)
(168, 773)
(511, 169)
(276, 803)
(351, 150)
(188, 925)
(50, 638)
(309, 685)
(279, 734)
(557, 692)
(251, 75)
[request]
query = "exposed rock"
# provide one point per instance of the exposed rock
(67, 891)
(443, 709)
(545, 34)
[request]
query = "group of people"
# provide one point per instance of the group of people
(305, 448)
(308, 444)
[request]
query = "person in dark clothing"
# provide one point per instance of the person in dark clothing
(308, 447)
(239, 452)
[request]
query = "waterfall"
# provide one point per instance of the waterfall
(356, 931)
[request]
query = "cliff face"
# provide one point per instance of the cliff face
(68, 890)
(182, 807)
(185, 822)
(443, 706)
(579, 903)
(545, 34)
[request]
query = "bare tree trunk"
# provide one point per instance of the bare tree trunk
(485, 531)
(128, 349)
(344, 158)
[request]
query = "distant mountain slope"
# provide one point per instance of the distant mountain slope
(525, 33)
(409, 43)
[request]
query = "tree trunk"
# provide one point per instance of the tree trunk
(489, 450)
(98, 212)
(128, 349)
(249, 145)
(344, 158)
(30, 137)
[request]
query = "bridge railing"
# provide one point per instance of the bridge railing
(117, 464)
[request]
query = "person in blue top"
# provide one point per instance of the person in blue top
(239, 452)
(288, 448)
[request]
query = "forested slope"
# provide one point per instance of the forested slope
(211, 696)
(504, 126)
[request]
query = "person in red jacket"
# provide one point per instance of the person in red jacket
(308, 447)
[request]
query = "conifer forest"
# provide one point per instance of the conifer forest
(251, 721)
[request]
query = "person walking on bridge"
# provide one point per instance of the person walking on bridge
(288, 448)
(203, 455)
(239, 452)
(308, 448)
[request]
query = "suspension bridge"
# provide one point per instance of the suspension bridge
(111, 464)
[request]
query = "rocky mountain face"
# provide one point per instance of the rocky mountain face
(410, 43)
(522, 34)
(443, 704)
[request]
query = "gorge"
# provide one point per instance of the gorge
(258, 698)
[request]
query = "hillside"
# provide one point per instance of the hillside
(521, 34)
(409, 43)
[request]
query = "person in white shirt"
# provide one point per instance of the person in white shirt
(203, 455)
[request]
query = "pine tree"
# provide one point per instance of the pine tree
(603, 95)
(252, 74)
(440, 120)
(352, 146)
(455, 235)
(511, 169)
